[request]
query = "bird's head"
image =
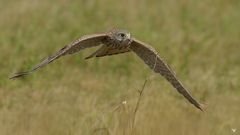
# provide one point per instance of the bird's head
(121, 36)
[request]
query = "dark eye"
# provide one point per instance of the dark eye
(122, 34)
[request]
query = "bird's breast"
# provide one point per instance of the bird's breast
(117, 45)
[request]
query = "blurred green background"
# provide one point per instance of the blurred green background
(200, 39)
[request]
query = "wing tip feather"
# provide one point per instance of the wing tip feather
(201, 107)
(17, 75)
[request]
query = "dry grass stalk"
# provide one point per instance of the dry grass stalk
(140, 96)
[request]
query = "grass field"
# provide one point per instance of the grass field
(200, 39)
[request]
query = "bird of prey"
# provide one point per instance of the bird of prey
(116, 42)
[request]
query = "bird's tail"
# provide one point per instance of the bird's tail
(100, 50)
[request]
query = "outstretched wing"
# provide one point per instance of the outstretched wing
(76, 46)
(154, 61)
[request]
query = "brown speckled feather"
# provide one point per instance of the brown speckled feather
(107, 51)
(74, 47)
(154, 61)
(112, 51)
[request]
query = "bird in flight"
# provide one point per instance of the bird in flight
(116, 42)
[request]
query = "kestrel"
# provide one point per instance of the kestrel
(116, 42)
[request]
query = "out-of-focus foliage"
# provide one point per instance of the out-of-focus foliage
(198, 38)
